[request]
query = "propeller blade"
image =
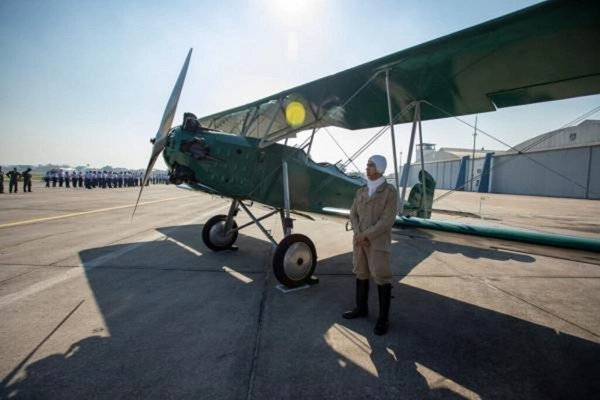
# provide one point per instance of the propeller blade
(167, 119)
(153, 159)
(165, 124)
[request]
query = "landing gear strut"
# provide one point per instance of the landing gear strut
(295, 257)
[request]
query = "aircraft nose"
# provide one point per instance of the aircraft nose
(180, 174)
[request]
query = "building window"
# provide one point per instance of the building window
(572, 136)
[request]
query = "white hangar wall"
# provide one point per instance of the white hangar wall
(445, 173)
(586, 133)
(561, 163)
(566, 172)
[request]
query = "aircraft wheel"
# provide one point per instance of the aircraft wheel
(295, 260)
(213, 234)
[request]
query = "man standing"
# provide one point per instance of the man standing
(54, 176)
(1, 180)
(13, 177)
(27, 180)
(372, 216)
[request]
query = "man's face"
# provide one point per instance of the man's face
(372, 173)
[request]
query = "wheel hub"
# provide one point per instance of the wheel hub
(217, 235)
(297, 261)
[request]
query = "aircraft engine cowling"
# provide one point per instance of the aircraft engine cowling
(181, 174)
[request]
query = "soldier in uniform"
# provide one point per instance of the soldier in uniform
(13, 177)
(88, 179)
(27, 180)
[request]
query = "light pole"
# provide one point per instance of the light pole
(473, 158)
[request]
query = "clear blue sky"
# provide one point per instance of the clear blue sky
(86, 82)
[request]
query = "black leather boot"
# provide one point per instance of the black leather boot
(362, 297)
(385, 296)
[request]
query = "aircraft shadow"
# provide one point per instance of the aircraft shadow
(437, 348)
(408, 253)
(175, 329)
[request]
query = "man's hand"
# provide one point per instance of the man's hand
(361, 240)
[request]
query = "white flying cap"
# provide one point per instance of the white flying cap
(380, 163)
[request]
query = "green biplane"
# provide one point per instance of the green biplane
(545, 52)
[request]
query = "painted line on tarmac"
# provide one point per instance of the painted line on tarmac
(77, 214)
(38, 287)
(92, 264)
(154, 237)
(76, 271)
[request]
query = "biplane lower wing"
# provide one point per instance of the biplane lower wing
(579, 248)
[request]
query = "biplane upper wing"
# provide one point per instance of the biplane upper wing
(548, 51)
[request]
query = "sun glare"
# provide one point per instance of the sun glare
(291, 9)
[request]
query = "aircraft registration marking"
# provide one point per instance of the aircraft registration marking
(76, 214)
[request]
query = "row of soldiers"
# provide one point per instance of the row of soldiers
(89, 179)
(99, 179)
(13, 180)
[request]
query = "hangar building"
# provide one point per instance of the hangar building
(560, 163)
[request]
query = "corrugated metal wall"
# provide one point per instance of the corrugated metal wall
(594, 176)
(445, 173)
(472, 185)
(586, 133)
(570, 172)
(548, 167)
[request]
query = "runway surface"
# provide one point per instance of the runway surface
(94, 305)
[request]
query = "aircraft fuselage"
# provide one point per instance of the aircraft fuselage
(235, 166)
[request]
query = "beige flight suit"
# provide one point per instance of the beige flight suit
(374, 217)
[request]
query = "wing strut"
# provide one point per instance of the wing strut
(406, 169)
(287, 221)
(423, 180)
(389, 101)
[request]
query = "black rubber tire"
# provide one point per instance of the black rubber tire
(214, 226)
(295, 260)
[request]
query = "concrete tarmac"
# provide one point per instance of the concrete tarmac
(94, 305)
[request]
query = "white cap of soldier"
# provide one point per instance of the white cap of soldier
(380, 163)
